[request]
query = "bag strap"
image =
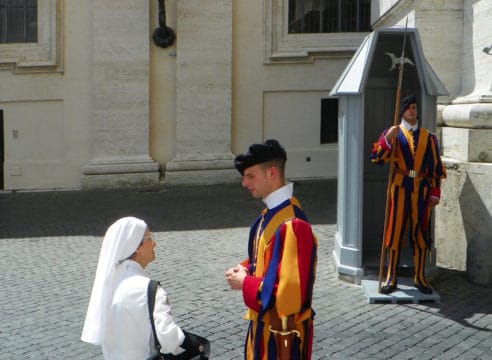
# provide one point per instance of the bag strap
(151, 291)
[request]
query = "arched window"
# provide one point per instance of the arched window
(18, 21)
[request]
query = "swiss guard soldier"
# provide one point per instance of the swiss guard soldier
(277, 278)
(415, 190)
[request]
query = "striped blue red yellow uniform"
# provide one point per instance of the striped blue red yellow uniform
(409, 211)
(282, 259)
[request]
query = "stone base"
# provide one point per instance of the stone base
(469, 115)
(201, 172)
(469, 145)
(138, 173)
(478, 265)
(345, 261)
(406, 292)
(463, 220)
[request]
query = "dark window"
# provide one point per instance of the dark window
(329, 16)
(329, 121)
(1, 149)
(18, 21)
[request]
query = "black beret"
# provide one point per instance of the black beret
(260, 153)
(410, 99)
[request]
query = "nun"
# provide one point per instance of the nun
(117, 316)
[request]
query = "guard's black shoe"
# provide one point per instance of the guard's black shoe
(388, 289)
(422, 288)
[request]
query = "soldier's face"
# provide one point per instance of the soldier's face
(257, 179)
(410, 114)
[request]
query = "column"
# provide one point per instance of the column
(120, 97)
(463, 220)
(204, 86)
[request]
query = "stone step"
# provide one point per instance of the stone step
(406, 292)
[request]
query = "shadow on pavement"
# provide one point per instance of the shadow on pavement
(170, 208)
(462, 300)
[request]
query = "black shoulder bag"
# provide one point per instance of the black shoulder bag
(196, 347)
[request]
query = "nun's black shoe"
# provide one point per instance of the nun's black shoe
(422, 288)
(388, 289)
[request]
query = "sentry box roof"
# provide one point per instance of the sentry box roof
(372, 61)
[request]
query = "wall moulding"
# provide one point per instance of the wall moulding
(46, 54)
(280, 46)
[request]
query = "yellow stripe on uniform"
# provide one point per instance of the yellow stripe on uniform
(288, 294)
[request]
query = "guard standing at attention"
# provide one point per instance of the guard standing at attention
(415, 189)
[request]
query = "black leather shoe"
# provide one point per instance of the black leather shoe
(387, 289)
(423, 289)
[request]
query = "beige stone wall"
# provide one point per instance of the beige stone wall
(281, 100)
(463, 216)
(67, 122)
(267, 100)
(53, 128)
(46, 107)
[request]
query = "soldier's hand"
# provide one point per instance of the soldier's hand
(393, 132)
(235, 277)
(433, 201)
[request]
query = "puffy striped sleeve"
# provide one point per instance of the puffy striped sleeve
(381, 150)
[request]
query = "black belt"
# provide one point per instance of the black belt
(411, 173)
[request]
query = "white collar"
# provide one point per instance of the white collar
(124, 269)
(279, 196)
(130, 264)
(409, 127)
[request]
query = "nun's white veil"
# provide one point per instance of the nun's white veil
(121, 240)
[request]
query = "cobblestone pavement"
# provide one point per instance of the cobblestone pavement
(50, 242)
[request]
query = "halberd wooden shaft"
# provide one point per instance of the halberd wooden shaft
(394, 145)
